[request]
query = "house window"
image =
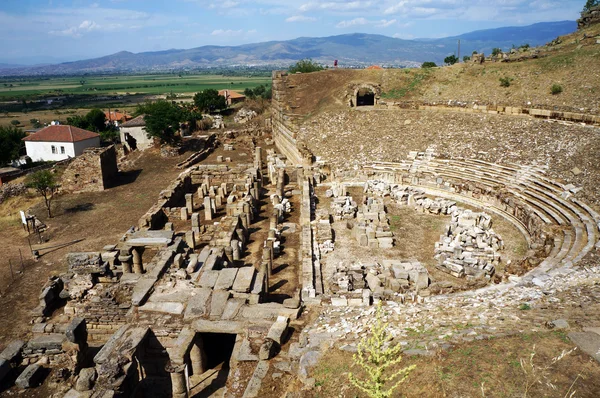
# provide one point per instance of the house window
(53, 149)
(62, 150)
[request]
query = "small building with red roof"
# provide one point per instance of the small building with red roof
(59, 142)
(232, 97)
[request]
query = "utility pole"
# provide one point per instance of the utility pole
(458, 50)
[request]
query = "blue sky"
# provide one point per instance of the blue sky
(64, 30)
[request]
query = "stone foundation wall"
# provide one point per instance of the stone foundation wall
(285, 122)
(94, 170)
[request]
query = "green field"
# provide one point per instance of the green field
(26, 88)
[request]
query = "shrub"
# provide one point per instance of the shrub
(505, 81)
(556, 89)
(376, 355)
(451, 60)
(428, 65)
(466, 58)
(15, 122)
(305, 66)
(496, 51)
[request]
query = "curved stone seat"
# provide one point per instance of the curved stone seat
(542, 197)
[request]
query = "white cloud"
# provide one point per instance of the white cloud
(385, 23)
(352, 22)
(300, 18)
(232, 33)
(77, 31)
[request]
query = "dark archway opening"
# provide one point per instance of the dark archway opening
(218, 348)
(365, 97)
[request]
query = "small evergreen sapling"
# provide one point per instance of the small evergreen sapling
(376, 355)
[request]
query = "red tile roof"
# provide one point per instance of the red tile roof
(61, 133)
(118, 116)
(376, 67)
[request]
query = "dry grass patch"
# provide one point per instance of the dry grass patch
(488, 368)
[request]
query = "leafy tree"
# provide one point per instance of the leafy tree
(209, 100)
(10, 143)
(496, 51)
(162, 119)
(15, 122)
(376, 355)
(305, 66)
(96, 120)
(451, 60)
(35, 123)
(428, 65)
(466, 58)
(78, 121)
(589, 4)
(44, 182)
(261, 91)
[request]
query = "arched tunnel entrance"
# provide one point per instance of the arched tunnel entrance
(365, 97)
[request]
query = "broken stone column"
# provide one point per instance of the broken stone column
(196, 223)
(273, 222)
(258, 158)
(198, 357)
(178, 381)
(281, 182)
(184, 213)
(138, 267)
(189, 203)
(218, 200)
(235, 246)
(190, 239)
(126, 261)
(208, 212)
(300, 175)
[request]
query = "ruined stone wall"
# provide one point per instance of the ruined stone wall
(95, 170)
(588, 18)
(285, 123)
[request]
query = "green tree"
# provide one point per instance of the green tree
(209, 100)
(429, 64)
(451, 60)
(11, 143)
(589, 4)
(96, 120)
(162, 119)
(78, 121)
(496, 51)
(44, 182)
(306, 65)
(375, 356)
(466, 58)
(15, 122)
(35, 123)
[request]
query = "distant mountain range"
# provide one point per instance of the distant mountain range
(350, 49)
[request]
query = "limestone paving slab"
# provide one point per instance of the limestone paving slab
(226, 278)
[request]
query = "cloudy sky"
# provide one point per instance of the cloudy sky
(62, 30)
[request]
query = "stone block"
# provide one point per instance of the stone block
(218, 303)
(208, 278)
(226, 278)
(197, 305)
(244, 279)
(267, 350)
(232, 308)
(278, 330)
(77, 331)
(31, 377)
(12, 351)
(339, 301)
(85, 380)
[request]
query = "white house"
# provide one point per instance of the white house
(133, 134)
(59, 142)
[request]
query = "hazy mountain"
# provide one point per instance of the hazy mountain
(354, 49)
